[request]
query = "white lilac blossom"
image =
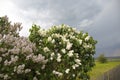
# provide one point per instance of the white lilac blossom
(67, 71)
(87, 38)
(6, 54)
(6, 62)
(27, 70)
(35, 78)
(87, 45)
(83, 34)
(53, 41)
(42, 32)
(43, 67)
(57, 73)
(72, 37)
(78, 61)
(46, 49)
(37, 72)
(30, 56)
(69, 45)
(74, 29)
(75, 66)
(39, 59)
(77, 55)
(27, 49)
(52, 55)
(14, 58)
(80, 41)
(70, 53)
(51, 58)
(15, 50)
(64, 39)
(58, 57)
(20, 67)
(6, 77)
(73, 75)
(49, 39)
(63, 51)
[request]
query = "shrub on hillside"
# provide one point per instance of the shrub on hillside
(102, 58)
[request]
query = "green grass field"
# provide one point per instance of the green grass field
(100, 68)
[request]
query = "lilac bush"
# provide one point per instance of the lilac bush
(69, 52)
(18, 57)
(59, 53)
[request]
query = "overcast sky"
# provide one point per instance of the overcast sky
(100, 18)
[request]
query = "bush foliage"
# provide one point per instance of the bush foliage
(69, 52)
(59, 53)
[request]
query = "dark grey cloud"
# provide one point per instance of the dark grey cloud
(61, 11)
(98, 17)
(106, 29)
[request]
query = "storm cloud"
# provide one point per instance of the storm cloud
(100, 18)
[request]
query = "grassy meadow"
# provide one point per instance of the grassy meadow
(100, 68)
